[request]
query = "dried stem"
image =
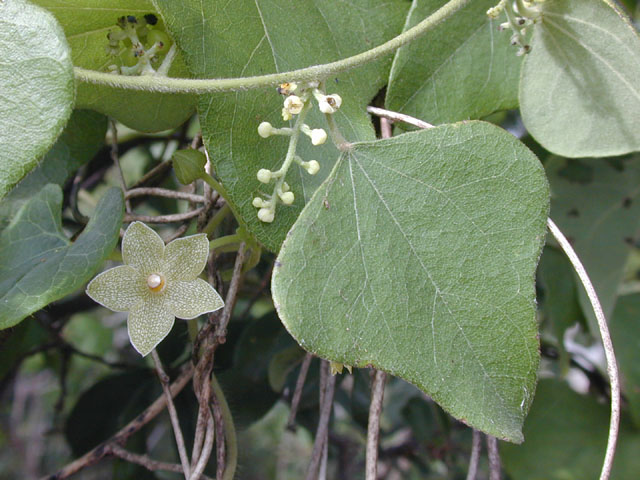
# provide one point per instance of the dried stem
(398, 117)
(173, 414)
(612, 366)
(476, 445)
(327, 388)
(98, 453)
(206, 451)
(146, 462)
(297, 394)
(173, 218)
(373, 429)
(230, 461)
(494, 458)
(163, 192)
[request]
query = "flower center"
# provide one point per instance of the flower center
(155, 282)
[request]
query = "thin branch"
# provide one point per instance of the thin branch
(229, 461)
(494, 458)
(316, 72)
(373, 429)
(476, 445)
(323, 422)
(206, 451)
(612, 366)
(146, 462)
(232, 293)
(98, 453)
(163, 192)
(399, 117)
(155, 173)
(173, 218)
(297, 394)
(173, 414)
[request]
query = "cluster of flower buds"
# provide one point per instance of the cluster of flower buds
(296, 102)
(137, 44)
(520, 15)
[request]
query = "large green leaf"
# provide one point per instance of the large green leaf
(86, 24)
(579, 93)
(464, 68)
(566, 438)
(39, 265)
(625, 333)
(597, 206)
(417, 256)
(79, 142)
(231, 39)
(36, 75)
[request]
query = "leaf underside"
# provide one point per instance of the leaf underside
(417, 256)
(579, 91)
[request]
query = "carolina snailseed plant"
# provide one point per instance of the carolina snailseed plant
(278, 153)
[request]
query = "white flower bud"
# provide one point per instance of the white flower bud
(258, 202)
(265, 215)
(285, 187)
(329, 103)
(265, 129)
(287, 198)
(318, 136)
(312, 167)
(286, 115)
(293, 104)
(264, 175)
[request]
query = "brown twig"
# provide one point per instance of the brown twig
(163, 192)
(373, 429)
(116, 161)
(145, 461)
(220, 429)
(297, 393)
(399, 117)
(327, 388)
(173, 218)
(206, 451)
(98, 453)
(494, 458)
(173, 414)
(476, 445)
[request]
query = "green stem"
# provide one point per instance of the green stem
(218, 243)
(316, 72)
(216, 220)
(229, 431)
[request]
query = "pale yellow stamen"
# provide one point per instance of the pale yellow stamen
(155, 282)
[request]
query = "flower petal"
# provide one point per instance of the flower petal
(148, 323)
(142, 248)
(186, 257)
(189, 299)
(118, 288)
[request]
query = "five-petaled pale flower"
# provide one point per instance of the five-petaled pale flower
(156, 284)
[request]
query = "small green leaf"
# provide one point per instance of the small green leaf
(36, 75)
(79, 142)
(464, 68)
(566, 438)
(38, 264)
(252, 38)
(86, 24)
(417, 256)
(580, 94)
(189, 165)
(597, 206)
(625, 333)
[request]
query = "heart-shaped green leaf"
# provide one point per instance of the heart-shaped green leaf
(566, 439)
(79, 142)
(417, 256)
(36, 75)
(39, 265)
(597, 205)
(580, 93)
(233, 39)
(464, 68)
(86, 24)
